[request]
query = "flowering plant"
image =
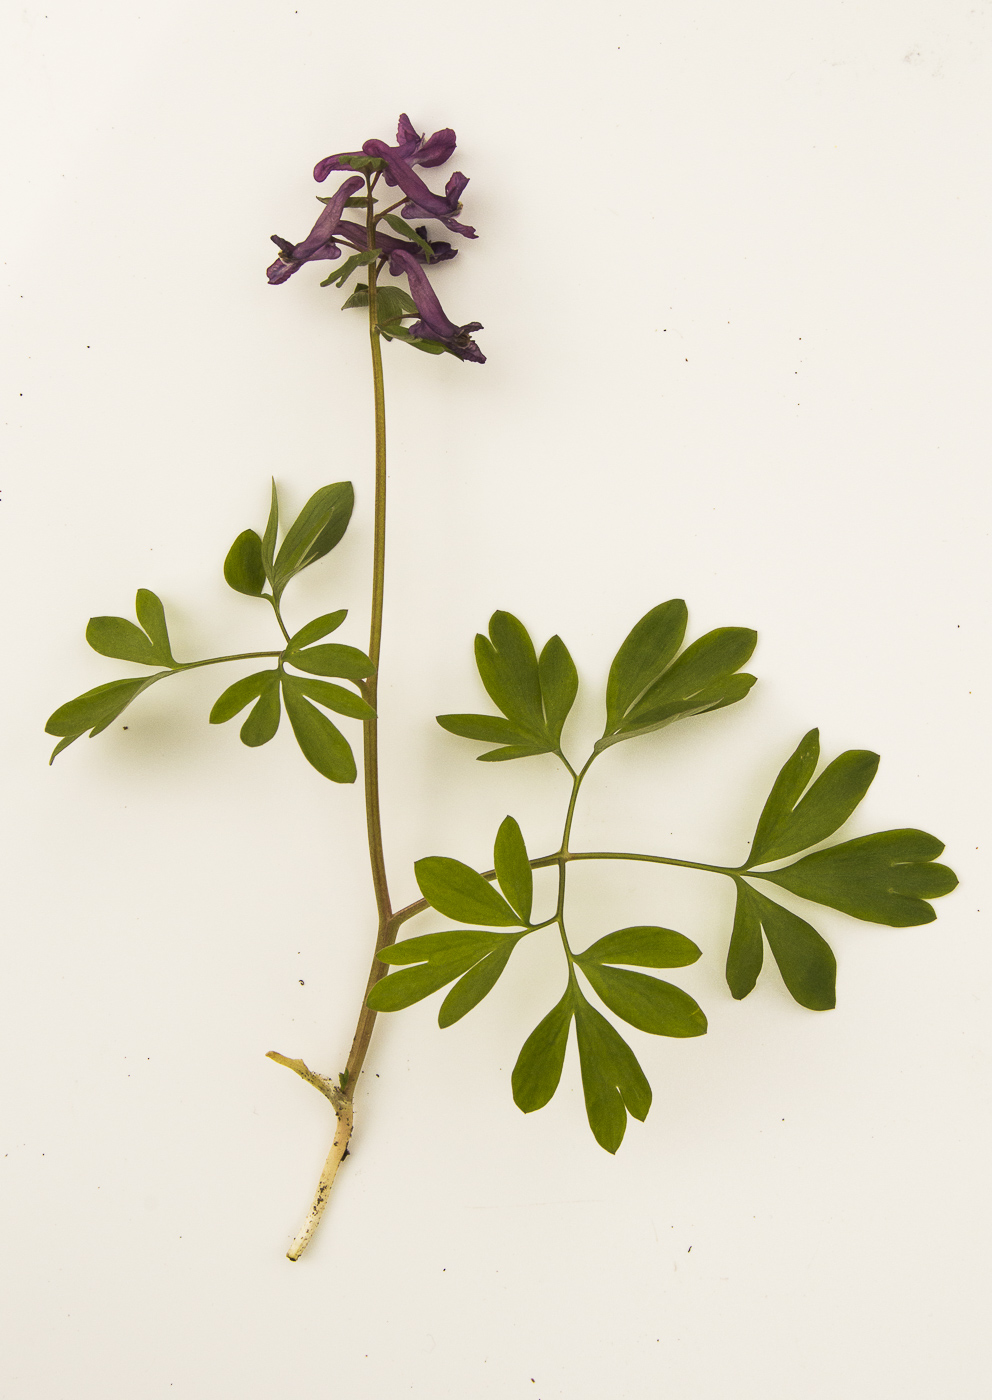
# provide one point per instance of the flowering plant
(654, 681)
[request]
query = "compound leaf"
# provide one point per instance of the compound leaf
(460, 892)
(513, 870)
(322, 744)
(643, 946)
(885, 878)
(537, 1073)
(645, 1002)
(243, 567)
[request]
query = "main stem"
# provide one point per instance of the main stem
(342, 1099)
(385, 933)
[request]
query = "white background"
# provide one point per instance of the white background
(733, 270)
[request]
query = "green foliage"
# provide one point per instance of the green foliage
(513, 870)
(340, 275)
(788, 825)
(537, 1073)
(151, 615)
(645, 1002)
(649, 648)
(240, 694)
(460, 892)
(805, 960)
(359, 297)
(392, 303)
(649, 686)
(252, 560)
(612, 1081)
(263, 721)
(333, 659)
(319, 526)
(363, 163)
(243, 567)
(332, 697)
(398, 332)
(642, 946)
(95, 709)
(746, 953)
(559, 683)
(535, 697)
(116, 637)
(886, 878)
(271, 534)
(475, 957)
(313, 631)
(404, 230)
(477, 983)
(322, 743)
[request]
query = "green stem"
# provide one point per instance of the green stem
(563, 852)
(410, 911)
(275, 608)
(385, 934)
(657, 860)
(389, 209)
(216, 660)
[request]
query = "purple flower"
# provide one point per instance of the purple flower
(424, 204)
(433, 323)
(319, 243)
(414, 149)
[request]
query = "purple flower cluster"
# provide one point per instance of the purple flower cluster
(394, 164)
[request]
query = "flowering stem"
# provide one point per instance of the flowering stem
(342, 1099)
(386, 934)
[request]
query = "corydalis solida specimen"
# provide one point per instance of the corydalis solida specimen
(655, 681)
